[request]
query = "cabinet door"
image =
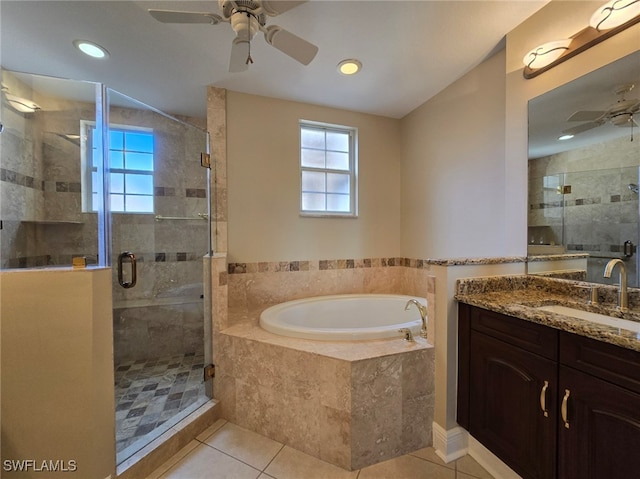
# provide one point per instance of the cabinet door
(603, 437)
(506, 413)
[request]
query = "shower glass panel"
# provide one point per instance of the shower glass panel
(546, 210)
(594, 212)
(42, 217)
(160, 233)
(600, 216)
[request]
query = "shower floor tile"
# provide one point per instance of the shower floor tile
(153, 393)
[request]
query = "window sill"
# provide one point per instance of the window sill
(328, 215)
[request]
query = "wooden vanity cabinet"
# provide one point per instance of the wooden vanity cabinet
(504, 364)
(599, 426)
(509, 363)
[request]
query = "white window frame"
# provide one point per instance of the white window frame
(352, 171)
(88, 169)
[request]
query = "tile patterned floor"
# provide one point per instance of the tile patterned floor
(225, 450)
(152, 395)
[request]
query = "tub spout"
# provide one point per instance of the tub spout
(423, 314)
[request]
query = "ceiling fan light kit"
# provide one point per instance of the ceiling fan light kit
(607, 21)
(248, 17)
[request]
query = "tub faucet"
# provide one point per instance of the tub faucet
(423, 315)
(623, 300)
(408, 335)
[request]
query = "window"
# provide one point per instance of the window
(328, 170)
(130, 168)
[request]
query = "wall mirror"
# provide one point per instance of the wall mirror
(583, 190)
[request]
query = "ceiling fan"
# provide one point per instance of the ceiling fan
(247, 17)
(619, 114)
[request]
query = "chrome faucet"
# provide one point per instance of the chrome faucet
(623, 300)
(423, 314)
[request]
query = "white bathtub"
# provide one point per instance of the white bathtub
(344, 317)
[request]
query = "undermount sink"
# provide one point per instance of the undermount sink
(593, 317)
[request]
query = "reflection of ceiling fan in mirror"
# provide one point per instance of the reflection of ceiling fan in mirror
(619, 114)
(247, 17)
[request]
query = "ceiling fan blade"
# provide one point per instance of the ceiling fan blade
(581, 128)
(276, 7)
(175, 16)
(239, 56)
(587, 115)
(290, 44)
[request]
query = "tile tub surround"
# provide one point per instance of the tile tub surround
(252, 287)
(518, 296)
(351, 404)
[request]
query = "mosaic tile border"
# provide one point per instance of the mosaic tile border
(19, 179)
(66, 259)
(338, 264)
(597, 200)
(16, 178)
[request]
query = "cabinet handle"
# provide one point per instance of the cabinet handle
(563, 410)
(543, 399)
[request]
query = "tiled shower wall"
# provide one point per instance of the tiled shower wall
(43, 222)
(599, 213)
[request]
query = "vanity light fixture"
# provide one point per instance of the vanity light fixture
(565, 137)
(614, 13)
(21, 104)
(546, 54)
(607, 21)
(349, 67)
(91, 49)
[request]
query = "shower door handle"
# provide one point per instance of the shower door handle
(134, 270)
(628, 248)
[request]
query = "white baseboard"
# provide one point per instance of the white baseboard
(489, 461)
(454, 443)
(449, 444)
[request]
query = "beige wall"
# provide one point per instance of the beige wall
(264, 182)
(57, 371)
(453, 169)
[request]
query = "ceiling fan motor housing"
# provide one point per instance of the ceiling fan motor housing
(245, 25)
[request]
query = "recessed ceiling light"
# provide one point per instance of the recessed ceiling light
(91, 49)
(565, 137)
(349, 67)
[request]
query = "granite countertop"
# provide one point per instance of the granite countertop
(519, 296)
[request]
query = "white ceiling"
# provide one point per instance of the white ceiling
(410, 50)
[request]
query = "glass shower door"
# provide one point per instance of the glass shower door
(601, 219)
(160, 233)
